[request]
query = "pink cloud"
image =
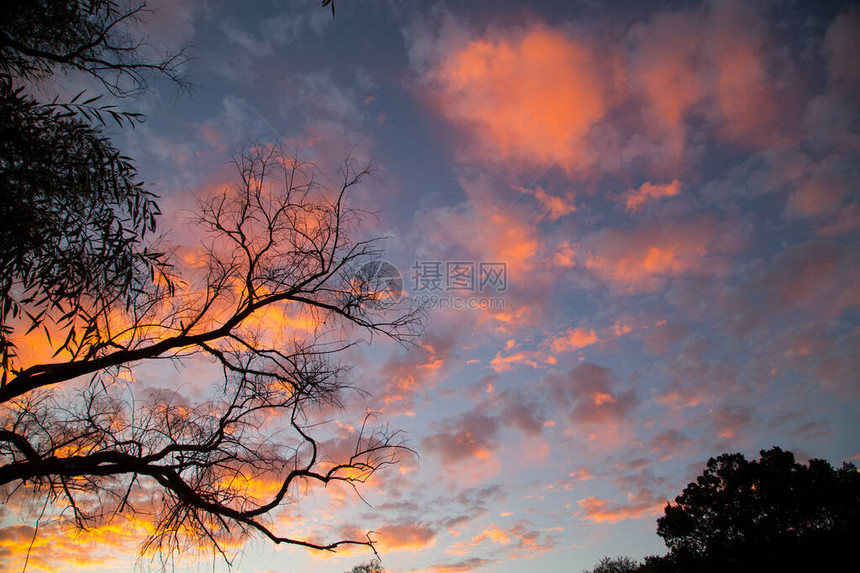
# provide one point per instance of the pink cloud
(643, 258)
(485, 227)
(410, 536)
(552, 207)
(574, 339)
(530, 94)
(636, 199)
(668, 443)
(601, 510)
(404, 376)
(519, 412)
(468, 564)
(728, 422)
(593, 394)
(821, 277)
(815, 196)
(742, 86)
(825, 356)
(472, 435)
(665, 64)
(841, 46)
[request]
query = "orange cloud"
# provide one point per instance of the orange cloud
(636, 199)
(679, 399)
(405, 536)
(493, 534)
(483, 228)
(742, 88)
(664, 64)
(684, 58)
(813, 197)
(565, 255)
(466, 565)
(521, 538)
(552, 207)
(533, 358)
(404, 376)
(56, 548)
(604, 511)
(593, 394)
(531, 97)
(574, 339)
(641, 259)
(471, 436)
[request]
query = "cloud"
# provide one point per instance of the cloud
(533, 358)
(735, 41)
(592, 392)
(172, 23)
(668, 443)
(840, 48)
(545, 94)
(814, 196)
(468, 564)
(552, 207)
(520, 412)
(470, 436)
(822, 277)
(830, 117)
(601, 510)
(405, 375)
(397, 536)
(574, 339)
(660, 338)
(642, 259)
(664, 65)
(483, 228)
(680, 399)
(729, 421)
(824, 353)
(636, 199)
(528, 94)
(317, 94)
(714, 62)
(520, 540)
(57, 548)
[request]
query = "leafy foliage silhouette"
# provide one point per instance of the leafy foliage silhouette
(372, 566)
(615, 565)
(75, 221)
(766, 514)
(770, 514)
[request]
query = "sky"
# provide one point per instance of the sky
(635, 223)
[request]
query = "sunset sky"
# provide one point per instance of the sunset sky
(672, 189)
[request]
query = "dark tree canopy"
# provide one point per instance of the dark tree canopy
(615, 565)
(767, 515)
(97, 37)
(76, 222)
(762, 515)
(372, 566)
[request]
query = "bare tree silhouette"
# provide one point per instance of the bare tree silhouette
(277, 242)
